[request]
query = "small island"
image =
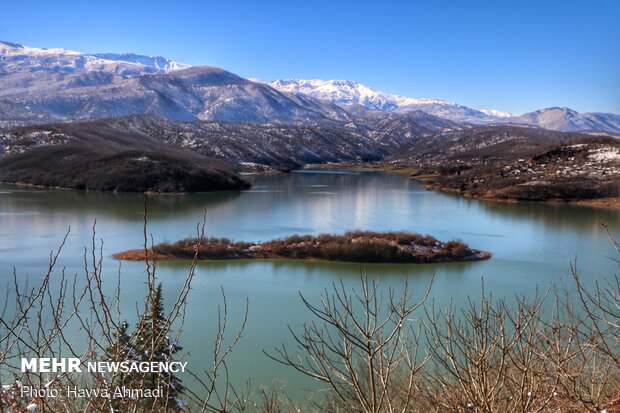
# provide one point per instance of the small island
(357, 246)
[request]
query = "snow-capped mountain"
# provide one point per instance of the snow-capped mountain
(352, 95)
(566, 119)
(348, 93)
(57, 85)
(16, 57)
(159, 63)
(39, 85)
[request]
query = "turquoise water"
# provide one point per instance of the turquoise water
(532, 245)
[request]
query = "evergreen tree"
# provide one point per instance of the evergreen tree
(122, 349)
(153, 344)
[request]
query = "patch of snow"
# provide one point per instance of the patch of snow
(349, 92)
(16, 55)
(605, 154)
(496, 113)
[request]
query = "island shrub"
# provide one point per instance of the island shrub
(353, 246)
(458, 249)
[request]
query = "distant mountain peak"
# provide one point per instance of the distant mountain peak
(556, 108)
(9, 44)
(8, 49)
(157, 62)
(15, 57)
(567, 119)
(349, 92)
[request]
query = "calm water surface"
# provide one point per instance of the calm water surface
(532, 246)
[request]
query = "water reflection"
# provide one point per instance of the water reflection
(122, 206)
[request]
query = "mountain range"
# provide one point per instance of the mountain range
(54, 85)
(146, 123)
(352, 95)
(40, 86)
(16, 57)
(348, 93)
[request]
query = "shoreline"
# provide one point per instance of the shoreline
(415, 175)
(115, 191)
(138, 255)
(412, 173)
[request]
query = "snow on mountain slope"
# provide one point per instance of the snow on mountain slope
(496, 113)
(39, 85)
(354, 97)
(16, 57)
(162, 64)
(566, 119)
(57, 85)
(347, 93)
(196, 93)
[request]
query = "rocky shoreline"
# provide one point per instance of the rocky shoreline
(583, 173)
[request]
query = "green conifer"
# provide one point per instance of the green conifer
(122, 349)
(154, 344)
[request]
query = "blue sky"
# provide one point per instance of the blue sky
(515, 56)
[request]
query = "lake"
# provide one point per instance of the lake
(532, 245)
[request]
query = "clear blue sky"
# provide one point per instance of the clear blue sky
(510, 55)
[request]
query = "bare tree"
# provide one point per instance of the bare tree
(485, 356)
(362, 344)
(531, 356)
